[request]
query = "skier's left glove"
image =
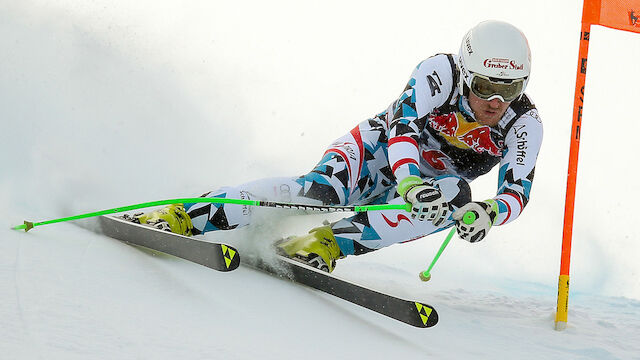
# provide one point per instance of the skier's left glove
(484, 213)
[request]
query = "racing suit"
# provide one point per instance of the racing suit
(428, 131)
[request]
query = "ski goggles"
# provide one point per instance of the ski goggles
(486, 89)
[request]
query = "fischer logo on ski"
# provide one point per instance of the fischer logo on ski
(407, 311)
(216, 256)
(225, 258)
(424, 311)
(229, 253)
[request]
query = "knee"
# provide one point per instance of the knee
(327, 182)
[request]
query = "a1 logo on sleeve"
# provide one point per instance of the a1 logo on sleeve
(433, 84)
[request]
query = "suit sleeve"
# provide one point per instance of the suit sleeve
(517, 166)
(430, 86)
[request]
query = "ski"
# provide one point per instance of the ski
(223, 257)
(410, 312)
(216, 256)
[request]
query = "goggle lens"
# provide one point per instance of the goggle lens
(486, 89)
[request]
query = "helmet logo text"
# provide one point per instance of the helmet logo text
(496, 63)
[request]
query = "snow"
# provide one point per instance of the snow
(110, 103)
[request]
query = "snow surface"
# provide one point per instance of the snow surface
(110, 103)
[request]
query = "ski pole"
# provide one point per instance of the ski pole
(28, 225)
(468, 218)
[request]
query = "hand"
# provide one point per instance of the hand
(427, 202)
(482, 214)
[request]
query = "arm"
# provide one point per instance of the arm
(431, 85)
(517, 167)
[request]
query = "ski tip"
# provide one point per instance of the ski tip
(230, 256)
(427, 315)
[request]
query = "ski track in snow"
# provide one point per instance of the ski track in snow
(99, 298)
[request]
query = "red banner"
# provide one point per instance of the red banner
(616, 14)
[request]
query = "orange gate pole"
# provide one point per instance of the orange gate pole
(590, 15)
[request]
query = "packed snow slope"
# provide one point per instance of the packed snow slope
(110, 103)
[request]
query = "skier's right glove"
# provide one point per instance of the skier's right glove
(483, 215)
(427, 202)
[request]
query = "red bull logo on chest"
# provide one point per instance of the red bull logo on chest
(465, 134)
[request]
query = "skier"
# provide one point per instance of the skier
(456, 119)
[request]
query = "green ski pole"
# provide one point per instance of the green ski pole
(28, 225)
(468, 218)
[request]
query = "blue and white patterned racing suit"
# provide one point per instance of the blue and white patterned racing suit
(429, 131)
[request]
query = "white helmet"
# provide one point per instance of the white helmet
(496, 54)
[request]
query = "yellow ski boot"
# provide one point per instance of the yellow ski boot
(172, 218)
(318, 248)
